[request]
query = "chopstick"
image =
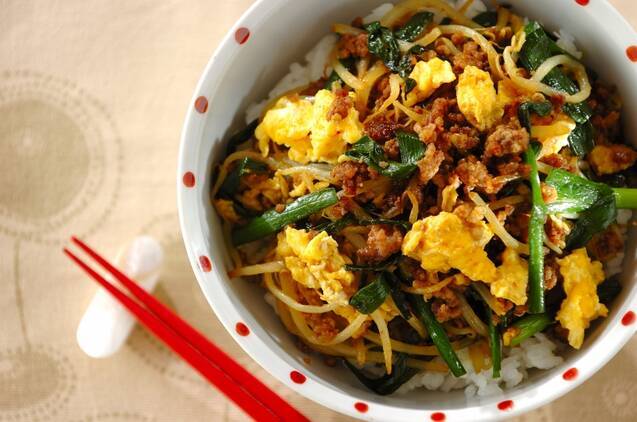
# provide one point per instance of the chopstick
(250, 394)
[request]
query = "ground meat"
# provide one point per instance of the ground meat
(309, 296)
(350, 175)
(557, 161)
(353, 46)
(446, 305)
(474, 174)
(508, 138)
(518, 225)
(606, 245)
(513, 168)
(609, 159)
(392, 150)
(341, 105)
(393, 204)
(429, 165)
(463, 138)
(549, 193)
(556, 231)
(551, 272)
(382, 242)
(471, 55)
(324, 326)
(380, 128)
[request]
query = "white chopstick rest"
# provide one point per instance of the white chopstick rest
(106, 324)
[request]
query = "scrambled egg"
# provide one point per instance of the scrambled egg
(304, 127)
(512, 278)
(429, 76)
(609, 159)
(553, 137)
(315, 263)
(581, 306)
(477, 98)
(444, 241)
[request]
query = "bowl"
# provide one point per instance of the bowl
(249, 61)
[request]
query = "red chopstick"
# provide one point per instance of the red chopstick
(250, 394)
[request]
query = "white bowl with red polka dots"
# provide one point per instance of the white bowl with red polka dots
(251, 58)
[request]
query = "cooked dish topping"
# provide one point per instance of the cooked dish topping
(446, 198)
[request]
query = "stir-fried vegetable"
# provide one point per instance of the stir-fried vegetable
(333, 77)
(539, 47)
(541, 108)
(528, 326)
(381, 43)
(272, 221)
(372, 154)
(386, 384)
(245, 166)
(370, 297)
(536, 235)
(437, 333)
(399, 297)
(495, 343)
(608, 290)
(414, 26)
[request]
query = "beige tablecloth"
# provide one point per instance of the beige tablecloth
(92, 99)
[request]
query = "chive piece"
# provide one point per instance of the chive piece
(529, 325)
(486, 19)
(536, 235)
(495, 343)
(231, 183)
(541, 108)
(399, 297)
(625, 198)
(437, 333)
(414, 26)
(372, 154)
(386, 384)
(272, 221)
(370, 297)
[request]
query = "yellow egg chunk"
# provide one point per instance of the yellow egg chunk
(429, 76)
(309, 128)
(581, 306)
(316, 263)
(553, 137)
(444, 241)
(609, 159)
(477, 98)
(331, 134)
(512, 278)
(287, 123)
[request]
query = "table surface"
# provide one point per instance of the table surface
(92, 97)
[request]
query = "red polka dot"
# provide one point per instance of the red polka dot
(204, 261)
(438, 416)
(570, 374)
(242, 35)
(628, 318)
(505, 405)
(297, 377)
(189, 179)
(582, 2)
(631, 52)
(201, 104)
(361, 407)
(242, 329)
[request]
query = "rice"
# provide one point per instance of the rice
(566, 42)
(378, 13)
(535, 352)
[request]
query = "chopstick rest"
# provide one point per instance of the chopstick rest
(106, 324)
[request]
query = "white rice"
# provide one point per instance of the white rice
(536, 352)
(566, 42)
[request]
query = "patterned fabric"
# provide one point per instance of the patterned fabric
(92, 99)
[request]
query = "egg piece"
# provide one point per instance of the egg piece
(225, 208)
(512, 278)
(553, 137)
(444, 241)
(429, 76)
(609, 159)
(581, 306)
(287, 123)
(309, 128)
(477, 98)
(316, 263)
